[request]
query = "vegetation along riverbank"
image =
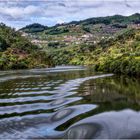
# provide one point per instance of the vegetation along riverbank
(17, 52)
(110, 44)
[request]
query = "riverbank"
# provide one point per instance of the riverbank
(17, 52)
(118, 55)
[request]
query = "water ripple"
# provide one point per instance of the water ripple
(32, 106)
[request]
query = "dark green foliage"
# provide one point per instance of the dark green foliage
(10, 38)
(19, 65)
(137, 37)
(53, 44)
(116, 55)
(126, 66)
(126, 34)
(105, 21)
(129, 60)
(34, 28)
(119, 25)
(56, 31)
(17, 52)
(116, 21)
(86, 28)
(112, 44)
(3, 44)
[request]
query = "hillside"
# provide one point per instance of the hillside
(118, 21)
(36, 27)
(17, 52)
(89, 31)
(121, 55)
(110, 44)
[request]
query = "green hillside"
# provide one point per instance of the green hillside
(109, 44)
(34, 28)
(117, 21)
(120, 54)
(17, 52)
(89, 31)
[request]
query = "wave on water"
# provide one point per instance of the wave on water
(35, 108)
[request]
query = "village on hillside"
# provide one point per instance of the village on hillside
(76, 35)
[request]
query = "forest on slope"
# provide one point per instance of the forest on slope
(17, 52)
(110, 44)
(120, 54)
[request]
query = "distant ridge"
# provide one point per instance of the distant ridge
(135, 18)
(35, 27)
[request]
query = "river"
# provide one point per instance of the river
(68, 102)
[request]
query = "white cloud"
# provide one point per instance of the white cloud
(53, 11)
(60, 21)
(19, 12)
(31, 10)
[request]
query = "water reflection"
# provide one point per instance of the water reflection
(26, 126)
(108, 125)
(112, 93)
(70, 102)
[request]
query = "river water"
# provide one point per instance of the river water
(69, 103)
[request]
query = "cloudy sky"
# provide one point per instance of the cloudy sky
(18, 13)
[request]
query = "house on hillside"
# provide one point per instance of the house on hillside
(24, 34)
(35, 41)
(136, 26)
(87, 35)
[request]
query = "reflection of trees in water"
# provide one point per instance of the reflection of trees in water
(112, 92)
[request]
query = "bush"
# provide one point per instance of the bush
(55, 31)
(137, 37)
(18, 65)
(53, 44)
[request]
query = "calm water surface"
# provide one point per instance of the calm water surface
(68, 102)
